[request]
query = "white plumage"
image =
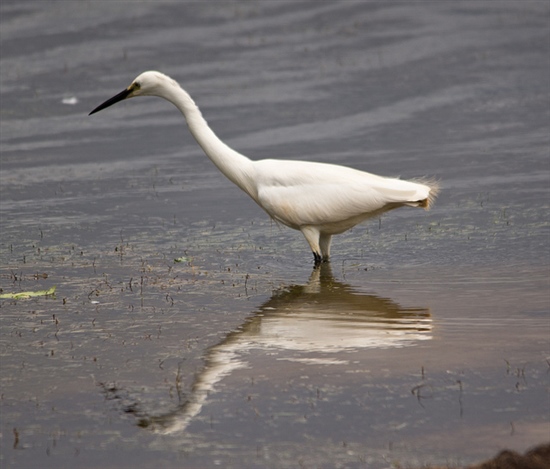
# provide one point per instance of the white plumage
(318, 199)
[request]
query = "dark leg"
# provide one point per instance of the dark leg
(317, 258)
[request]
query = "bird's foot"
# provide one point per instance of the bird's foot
(318, 259)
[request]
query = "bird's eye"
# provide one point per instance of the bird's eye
(136, 86)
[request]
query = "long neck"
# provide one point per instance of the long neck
(236, 167)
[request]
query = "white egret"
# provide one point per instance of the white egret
(319, 199)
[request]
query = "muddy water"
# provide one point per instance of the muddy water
(424, 341)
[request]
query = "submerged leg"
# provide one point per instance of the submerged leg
(312, 236)
(324, 243)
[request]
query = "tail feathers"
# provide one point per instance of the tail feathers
(434, 188)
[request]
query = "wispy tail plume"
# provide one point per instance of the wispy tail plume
(434, 186)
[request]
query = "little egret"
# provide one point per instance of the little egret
(319, 199)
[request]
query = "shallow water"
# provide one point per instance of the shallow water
(426, 340)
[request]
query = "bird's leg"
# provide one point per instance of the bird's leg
(324, 243)
(317, 258)
(312, 236)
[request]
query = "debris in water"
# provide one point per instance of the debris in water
(27, 294)
(70, 101)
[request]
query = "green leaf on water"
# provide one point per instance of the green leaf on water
(22, 295)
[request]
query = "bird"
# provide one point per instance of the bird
(318, 199)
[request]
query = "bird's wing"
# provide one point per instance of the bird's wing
(303, 193)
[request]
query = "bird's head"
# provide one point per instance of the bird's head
(147, 84)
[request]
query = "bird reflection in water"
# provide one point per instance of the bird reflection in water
(310, 322)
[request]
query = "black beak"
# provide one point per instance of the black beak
(115, 99)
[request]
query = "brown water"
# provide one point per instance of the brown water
(426, 340)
